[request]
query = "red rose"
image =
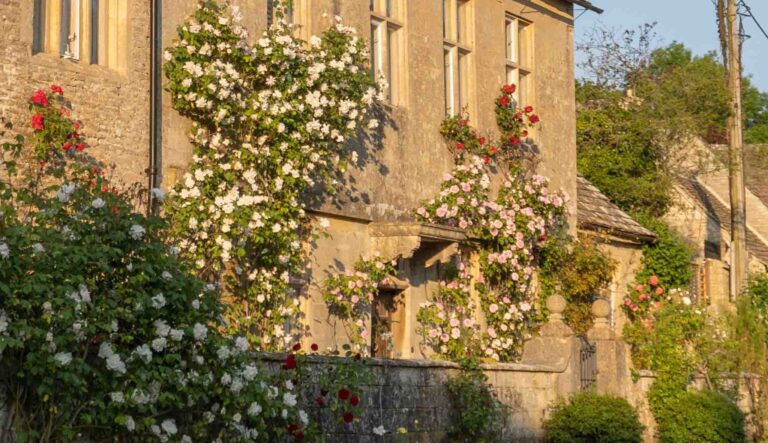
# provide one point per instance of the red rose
(481, 140)
(524, 133)
(515, 140)
(320, 401)
(492, 150)
(297, 346)
(343, 393)
(293, 428)
(348, 417)
(355, 400)
(314, 347)
(528, 109)
(290, 362)
(114, 211)
(40, 99)
(460, 146)
(67, 146)
(534, 118)
(80, 147)
(37, 122)
(57, 89)
(504, 100)
(509, 89)
(76, 125)
(486, 159)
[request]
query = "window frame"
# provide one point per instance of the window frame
(458, 45)
(388, 48)
(518, 56)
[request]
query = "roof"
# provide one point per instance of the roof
(721, 213)
(755, 165)
(597, 213)
(586, 4)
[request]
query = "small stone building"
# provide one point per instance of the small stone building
(619, 235)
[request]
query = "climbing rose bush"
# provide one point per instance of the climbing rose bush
(509, 228)
(270, 122)
(104, 333)
(447, 323)
(349, 297)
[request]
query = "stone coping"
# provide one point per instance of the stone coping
(418, 363)
(645, 373)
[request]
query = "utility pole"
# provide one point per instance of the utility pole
(730, 40)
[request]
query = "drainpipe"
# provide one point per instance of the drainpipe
(155, 103)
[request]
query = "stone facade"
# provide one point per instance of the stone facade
(113, 105)
(398, 167)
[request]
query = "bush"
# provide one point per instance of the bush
(480, 416)
(105, 334)
(589, 417)
(701, 416)
(578, 270)
(669, 258)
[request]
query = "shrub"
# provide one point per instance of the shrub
(669, 258)
(479, 415)
(105, 333)
(589, 417)
(701, 416)
(577, 270)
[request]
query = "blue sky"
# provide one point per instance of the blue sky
(691, 22)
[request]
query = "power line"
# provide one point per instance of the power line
(749, 12)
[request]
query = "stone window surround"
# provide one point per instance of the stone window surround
(97, 31)
(388, 47)
(519, 34)
(458, 45)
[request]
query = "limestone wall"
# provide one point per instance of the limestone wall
(113, 105)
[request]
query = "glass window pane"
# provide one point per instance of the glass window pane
(392, 48)
(511, 34)
(448, 78)
(375, 60)
(523, 56)
(463, 80)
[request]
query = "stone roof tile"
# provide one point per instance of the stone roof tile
(596, 212)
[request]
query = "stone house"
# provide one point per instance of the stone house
(439, 57)
(701, 213)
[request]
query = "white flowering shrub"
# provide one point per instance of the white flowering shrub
(270, 122)
(105, 334)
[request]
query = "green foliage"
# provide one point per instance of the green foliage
(619, 151)
(669, 258)
(678, 342)
(701, 416)
(479, 415)
(755, 108)
(688, 92)
(577, 270)
(591, 418)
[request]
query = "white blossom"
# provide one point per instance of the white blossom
(63, 358)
